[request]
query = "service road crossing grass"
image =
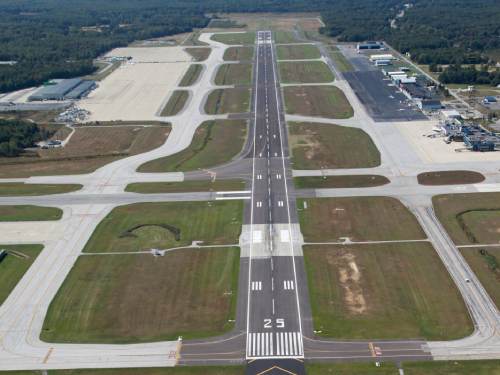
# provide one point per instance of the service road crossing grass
(316, 146)
(319, 101)
(29, 213)
(13, 267)
(185, 186)
(384, 291)
(143, 226)
(238, 54)
(214, 143)
(141, 298)
(305, 72)
(359, 218)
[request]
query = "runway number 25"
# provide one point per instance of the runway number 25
(280, 323)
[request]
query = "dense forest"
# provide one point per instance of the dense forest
(59, 38)
(16, 135)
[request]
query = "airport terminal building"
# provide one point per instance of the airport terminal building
(63, 89)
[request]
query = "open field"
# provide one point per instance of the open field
(359, 218)
(185, 186)
(191, 75)
(234, 74)
(341, 63)
(29, 213)
(194, 370)
(367, 292)
(199, 53)
(89, 148)
(136, 90)
(297, 52)
(323, 101)
(327, 182)
(386, 368)
(233, 100)
(450, 178)
(235, 38)
(40, 117)
(143, 226)
(214, 143)
(470, 218)
(141, 298)
(175, 103)
(275, 21)
(285, 36)
(316, 146)
(14, 265)
(485, 262)
(305, 72)
(238, 54)
(13, 189)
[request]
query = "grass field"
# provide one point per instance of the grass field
(191, 76)
(185, 186)
(351, 181)
(341, 63)
(470, 218)
(143, 226)
(322, 101)
(21, 189)
(214, 143)
(175, 103)
(491, 367)
(233, 100)
(15, 265)
(368, 292)
(238, 54)
(485, 263)
(194, 370)
(89, 148)
(234, 74)
(284, 36)
(449, 178)
(141, 298)
(316, 146)
(235, 38)
(305, 72)
(29, 213)
(359, 218)
(297, 52)
(199, 53)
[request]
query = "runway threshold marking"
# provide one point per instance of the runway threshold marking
(47, 356)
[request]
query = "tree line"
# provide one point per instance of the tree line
(16, 135)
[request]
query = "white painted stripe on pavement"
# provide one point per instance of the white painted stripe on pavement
(230, 198)
(234, 192)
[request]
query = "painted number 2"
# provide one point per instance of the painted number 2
(280, 323)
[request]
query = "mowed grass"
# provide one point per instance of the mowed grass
(485, 262)
(297, 52)
(319, 101)
(194, 370)
(305, 72)
(359, 218)
(14, 266)
(199, 53)
(235, 38)
(232, 100)
(143, 226)
(142, 298)
(384, 291)
(29, 213)
(470, 218)
(283, 36)
(175, 103)
(316, 146)
(386, 368)
(185, 186)
(214, 143)
(238, 54)
(191, 76)
(450, 178)
(348, 181)
(234, 74)
(340, 61)
(12, 189)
